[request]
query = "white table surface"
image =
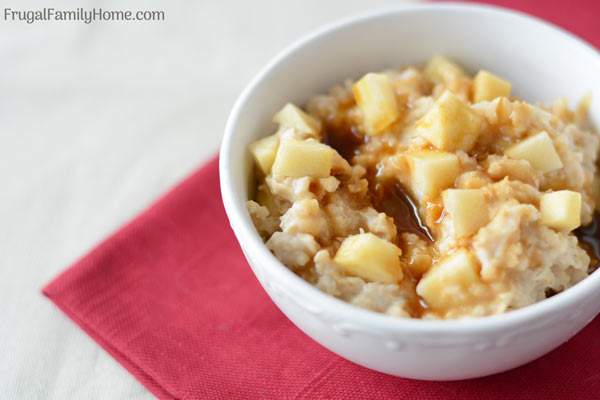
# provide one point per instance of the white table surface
(95, 122)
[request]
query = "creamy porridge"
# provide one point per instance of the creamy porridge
(428, 193)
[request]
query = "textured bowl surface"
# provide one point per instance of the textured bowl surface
(543, 63)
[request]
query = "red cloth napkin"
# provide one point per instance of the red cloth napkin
(171, 297)
(581, 17)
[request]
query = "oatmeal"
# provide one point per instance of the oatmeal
(428, 193)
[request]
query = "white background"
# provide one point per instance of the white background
(95, 122)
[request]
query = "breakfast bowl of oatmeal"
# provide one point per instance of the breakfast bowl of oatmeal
(416, 189)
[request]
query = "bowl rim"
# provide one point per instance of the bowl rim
(249, 238)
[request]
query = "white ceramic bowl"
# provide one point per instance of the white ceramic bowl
(543, 63)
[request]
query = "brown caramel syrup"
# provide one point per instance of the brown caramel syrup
(389, 196)
(589, 239)
(345, 139)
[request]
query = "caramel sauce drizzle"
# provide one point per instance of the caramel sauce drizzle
(391, 198)
(589, 239)
(343, 138)
(388, 196)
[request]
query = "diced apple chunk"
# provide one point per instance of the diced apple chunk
(446, 284)
(370, 257)
(431, 172)
(441, 70)
(291, 116)
(375, 97)
(467, 208)
(561, 210)
(298, 158)
(487, 86)
(451, 124)
(264, 151)
(538, 150)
